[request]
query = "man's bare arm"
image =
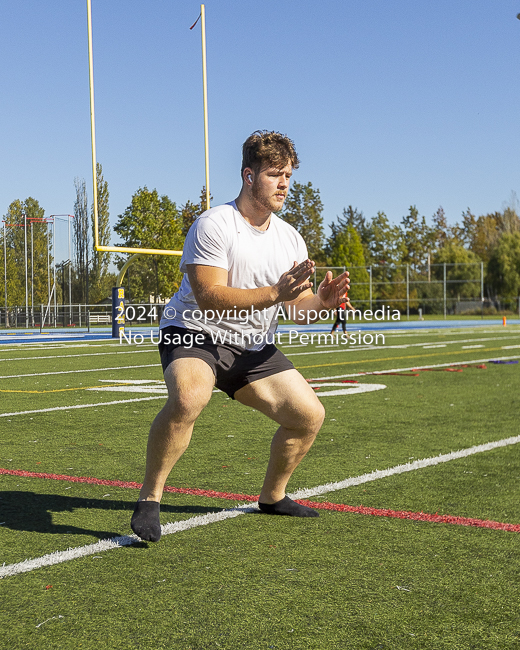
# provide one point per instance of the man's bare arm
(211, 291)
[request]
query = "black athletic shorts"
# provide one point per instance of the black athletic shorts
(233, 367)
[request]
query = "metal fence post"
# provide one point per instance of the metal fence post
(444, 284)
(370, 271)
(407, 292)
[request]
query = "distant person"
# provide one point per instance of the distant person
(239, 256)
(341, 318)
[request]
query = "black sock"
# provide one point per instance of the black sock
(145, 521)
(287, 507)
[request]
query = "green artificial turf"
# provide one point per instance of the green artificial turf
(343, 580)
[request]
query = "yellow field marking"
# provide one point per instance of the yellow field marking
(61, 390)
(408, 356)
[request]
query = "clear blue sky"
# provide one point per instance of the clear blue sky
(390, 102)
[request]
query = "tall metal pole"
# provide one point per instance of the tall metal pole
(54, 271)
(32, 276)
(86, 278)
(48, 263)
(5, 277)
(26, 273)
(407, 292)
(482, 289)
(70, 278)
(205, 94)
(92, 124)
(370, 271)
(444, 286)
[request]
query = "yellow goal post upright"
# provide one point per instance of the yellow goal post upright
(118, 295)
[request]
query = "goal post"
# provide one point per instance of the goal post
(97, 247)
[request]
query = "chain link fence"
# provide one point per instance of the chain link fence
(79, 316)
(433, 289)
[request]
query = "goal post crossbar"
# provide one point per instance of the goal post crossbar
(143, 251)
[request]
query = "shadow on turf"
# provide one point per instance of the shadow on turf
(33, 512)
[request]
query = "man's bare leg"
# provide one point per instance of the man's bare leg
(288, 400)
(190, 383)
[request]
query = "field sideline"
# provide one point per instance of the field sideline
(415, 476)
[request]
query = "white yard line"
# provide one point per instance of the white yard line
(344, 376)
(345, 347)
(407, 467)
(87, 354)
(203, 520)
(432, 365)
(71, 372)
(118, 542)
(81, 406)
(340, 347)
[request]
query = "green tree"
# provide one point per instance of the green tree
(486, 234)
(347, 251)
(462, 270)
(303, 210)
(503, 274)
(352, 217)
(440, 234)
(386, 241)
(465, 233)
(386, 254)
(510, 221)
(416, 235)
(190, 211)
(38, 259)
(151, 221)
(100, 280)
(81, 239)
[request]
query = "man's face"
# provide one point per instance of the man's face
(270, 187)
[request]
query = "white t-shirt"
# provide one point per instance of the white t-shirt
(253, 258)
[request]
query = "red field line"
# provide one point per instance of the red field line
(128, 484)
(320, 505)
(415, 516)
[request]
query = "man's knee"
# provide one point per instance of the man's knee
(309, 419)
(317, 416)
(188, 390)
(185, 405)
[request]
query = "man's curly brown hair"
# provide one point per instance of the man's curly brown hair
(268, 149)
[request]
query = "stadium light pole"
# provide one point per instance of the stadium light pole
(69, 217)
(70, 272)
(32, 276)
(54, 271)
(26, 272)
(24, 226)
(5, 276)
(46, 221)
(48, 263)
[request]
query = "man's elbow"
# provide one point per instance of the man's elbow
(203, 300)
(208, 298)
